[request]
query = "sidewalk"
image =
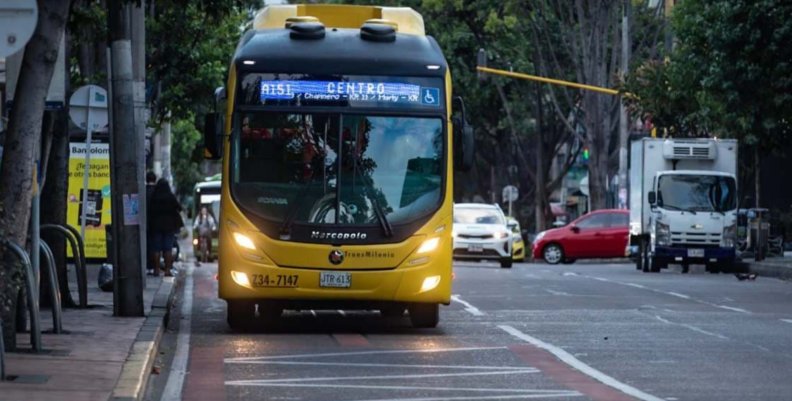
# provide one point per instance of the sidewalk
(778, 267)
(101, 357)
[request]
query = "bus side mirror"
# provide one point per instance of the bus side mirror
(652, 198)
(212, 137)
(463, 140)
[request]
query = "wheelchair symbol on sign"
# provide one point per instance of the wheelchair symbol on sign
(430, 96)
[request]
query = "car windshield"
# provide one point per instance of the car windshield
(470, 215)
(336, 168)
(697, 193)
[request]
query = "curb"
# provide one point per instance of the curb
(765, 269)
(131, 385)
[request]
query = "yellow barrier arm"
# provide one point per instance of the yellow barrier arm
(496, 71)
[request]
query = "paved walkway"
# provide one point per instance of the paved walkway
(101, 357)
(779, 267)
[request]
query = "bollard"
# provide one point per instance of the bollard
(55, 300)
(32, 296)
(79, 259)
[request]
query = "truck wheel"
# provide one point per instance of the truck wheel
(713, 268)
(685, 268)
(553, 254)
(654, 265)
(424, 315)
(240, 314)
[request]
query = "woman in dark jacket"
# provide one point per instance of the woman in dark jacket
(164, 221)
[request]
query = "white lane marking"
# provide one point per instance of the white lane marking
(175, 383)
(554, 292)
(787, 320)
(694, 328)
(468, 307)
(384, 377)
(524, 395)
(579, 365)
(570, 274)
(368, 386)
(673, 294)
(379, 365)
(393, 351)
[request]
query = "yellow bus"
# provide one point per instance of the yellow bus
(338, 153)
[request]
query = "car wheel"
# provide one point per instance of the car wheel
(553, 254)
(424, 315)
(506, 262)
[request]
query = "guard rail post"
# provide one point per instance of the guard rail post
(79, 261)
(55, 299)
(32, 295)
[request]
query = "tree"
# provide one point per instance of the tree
(728, 75)
(22, 138)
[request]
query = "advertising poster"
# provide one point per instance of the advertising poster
(98, 196)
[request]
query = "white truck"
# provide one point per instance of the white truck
(683, 203)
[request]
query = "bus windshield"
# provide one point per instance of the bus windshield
(697, 193)
(337, 169)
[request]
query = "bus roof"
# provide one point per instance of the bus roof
(340, 16)
(341, 51)
(208, 184)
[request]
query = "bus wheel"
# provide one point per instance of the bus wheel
(424, 315)
(240, 314)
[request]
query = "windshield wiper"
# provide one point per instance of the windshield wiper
(387, 229)
(285, 229)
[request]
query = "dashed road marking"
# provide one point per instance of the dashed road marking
(787, 320)
(691, 327)
(468, 307)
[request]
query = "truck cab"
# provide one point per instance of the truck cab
(683, 203)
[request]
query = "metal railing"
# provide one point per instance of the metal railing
(32, 295)
(55, 298)
(78, 250)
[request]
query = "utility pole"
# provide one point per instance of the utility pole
(125, 169)
(624, 124)
(141, 120)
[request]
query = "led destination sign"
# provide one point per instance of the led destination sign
(351, 92)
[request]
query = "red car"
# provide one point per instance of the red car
(599, 234)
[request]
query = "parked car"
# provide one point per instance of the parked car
(599, 234)
(518, 245)
(481, 232)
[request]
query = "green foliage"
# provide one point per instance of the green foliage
(730, 74)
(185, 166)
(189, 48)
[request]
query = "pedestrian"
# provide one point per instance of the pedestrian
(205, 226)
(151, 181)
(164, 221)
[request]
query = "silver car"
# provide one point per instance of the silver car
(481, 232)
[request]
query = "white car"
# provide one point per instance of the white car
(481, 232)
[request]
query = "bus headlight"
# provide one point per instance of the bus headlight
(430, 283)
(240, 278)
(429, 245)
(244, 241)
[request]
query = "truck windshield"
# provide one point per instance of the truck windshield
(697, 193)
(331, 168)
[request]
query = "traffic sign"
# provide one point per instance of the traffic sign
(88, 106)
(18, 20)
(510, 193)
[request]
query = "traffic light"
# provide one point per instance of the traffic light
(586, 154)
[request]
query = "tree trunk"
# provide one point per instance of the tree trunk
(24, 133)
(757, 174)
